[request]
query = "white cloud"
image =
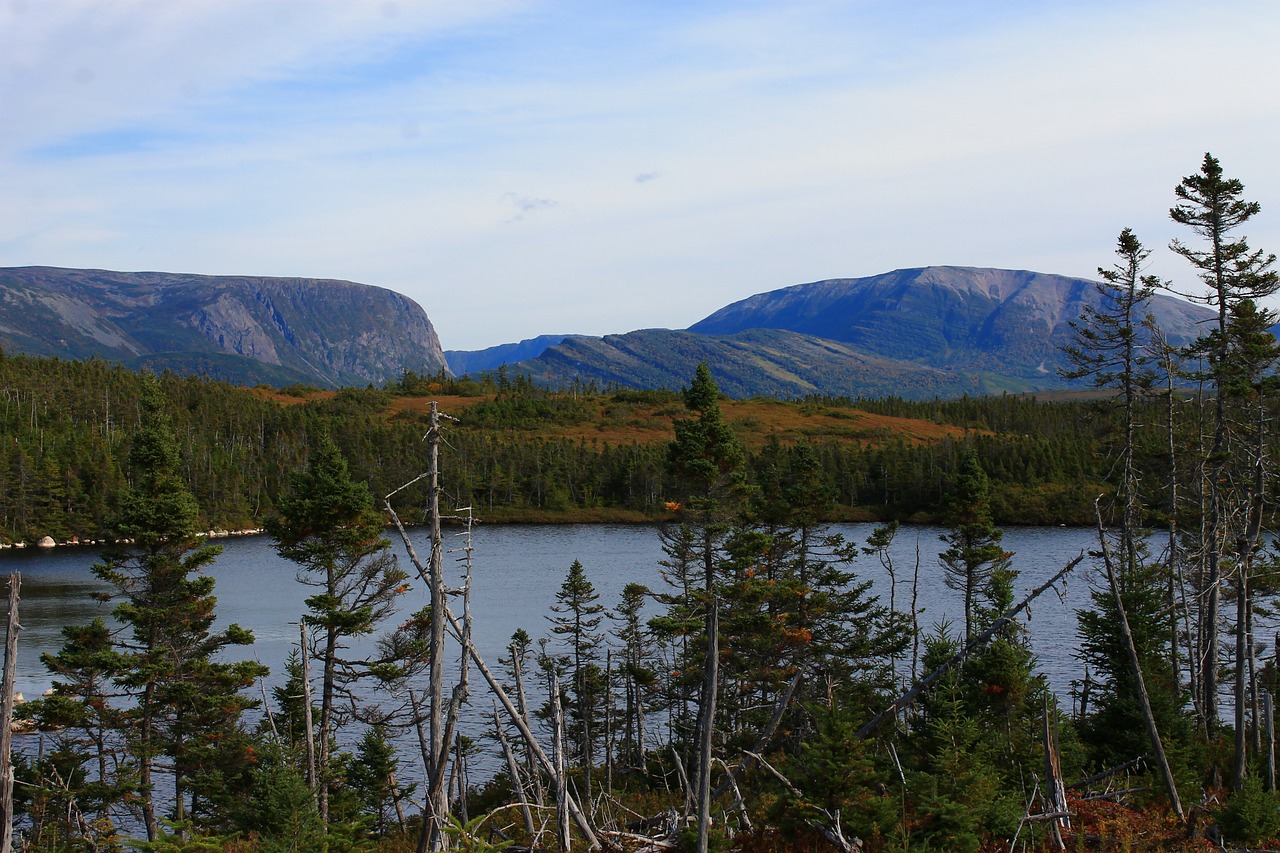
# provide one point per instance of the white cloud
(773, 143)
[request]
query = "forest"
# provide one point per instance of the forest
(517, 452)
(765, 697)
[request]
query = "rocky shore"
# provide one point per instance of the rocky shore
(47, 542)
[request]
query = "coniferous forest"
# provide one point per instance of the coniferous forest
(763, 698)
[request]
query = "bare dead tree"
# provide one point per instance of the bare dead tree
(1135, 665)
(707, 722)
(313, 781)
(6, 716)
(517, 780)
(1055, 792)
(559, 778)
(436, 754)
(929, 680)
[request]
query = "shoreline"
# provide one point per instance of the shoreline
(602, 516)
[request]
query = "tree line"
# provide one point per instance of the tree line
(68, 426)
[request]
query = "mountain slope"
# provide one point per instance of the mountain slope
(1011, 322)
(754, 362)
(919, 333)
(244, 329)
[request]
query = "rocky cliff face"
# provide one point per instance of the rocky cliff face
(244, 329)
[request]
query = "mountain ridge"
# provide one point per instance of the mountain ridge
(939, 331)
(917, 333)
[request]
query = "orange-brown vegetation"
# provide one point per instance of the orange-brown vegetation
(754, 421)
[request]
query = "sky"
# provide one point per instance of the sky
(521, 167)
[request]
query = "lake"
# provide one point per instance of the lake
(517, 571)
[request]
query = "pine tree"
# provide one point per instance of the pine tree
(973, 555)
(1212, 206)
(187, 704)
(578, 623)
(328, 525)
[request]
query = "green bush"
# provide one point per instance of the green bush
(1251, 815)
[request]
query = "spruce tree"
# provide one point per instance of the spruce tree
(328, 525)
(706, 461)
(1213, 207)
(973, 555)
(637, 669)
(577, 622)
(187, 704)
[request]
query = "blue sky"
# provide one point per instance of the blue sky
(522, 167)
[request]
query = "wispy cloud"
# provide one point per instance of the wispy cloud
(525, 205)
(382, 142)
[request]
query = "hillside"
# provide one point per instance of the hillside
(514, 453)
(244, 330)
(753, 362)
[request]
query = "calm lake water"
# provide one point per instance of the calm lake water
(517, 570)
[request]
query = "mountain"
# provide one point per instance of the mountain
(1010, 322)
(462, 362)
(754, 362)
(917, 333)
(242, 329)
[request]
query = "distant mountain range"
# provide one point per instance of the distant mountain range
(244, 330)
(462, 362)
(917, 333)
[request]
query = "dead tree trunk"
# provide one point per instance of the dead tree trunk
(1268, 741)
(438, 804)
(6, 717)
(579, 817)
(560, 778)
(1139, 683)
(1055, 792)
(517, 783)
(707, 729)
(313, 780)
(1240, 765)
(907, 698)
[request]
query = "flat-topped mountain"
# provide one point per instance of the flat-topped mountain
(243, 329)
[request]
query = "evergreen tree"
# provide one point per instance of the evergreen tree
(1127, 634)
(85, 767)
(973, 555)
(187, 704)
(1109, 351)
(1211, 205)
(371, 777)
(637, 669)
(706, 459)
(578, 623)
(328, 525)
